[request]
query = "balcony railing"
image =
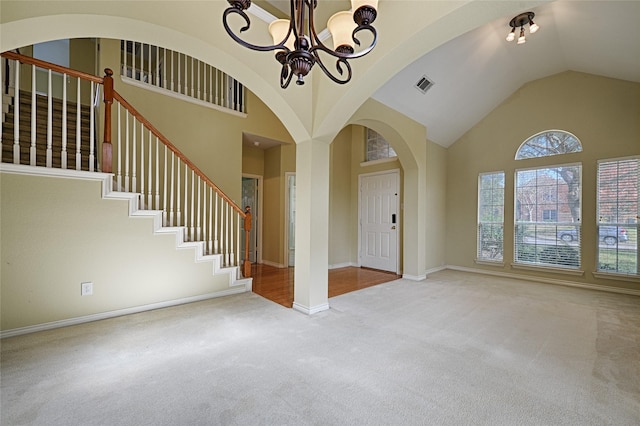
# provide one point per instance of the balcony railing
(181, 75)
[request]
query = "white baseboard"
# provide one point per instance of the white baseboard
(312, 310)
(344, 265)
(545, 280)
(434, 270)
(274, 264)
(120, 312)
(414, 277)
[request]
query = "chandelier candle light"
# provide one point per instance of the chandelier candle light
(520, 21)
(297, 44)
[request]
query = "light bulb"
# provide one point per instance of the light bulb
(521, 39)
(533, 27)
(512, 35)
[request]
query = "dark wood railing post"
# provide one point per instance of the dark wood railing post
(247, 229)
(107, 148)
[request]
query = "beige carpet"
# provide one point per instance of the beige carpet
(456, 349)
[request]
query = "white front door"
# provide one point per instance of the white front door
(379, 221)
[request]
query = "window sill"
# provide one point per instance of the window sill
(380, 161)
(574, 272)
(489, 262)
(617, 277)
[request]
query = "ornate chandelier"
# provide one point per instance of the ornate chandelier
(297, 44)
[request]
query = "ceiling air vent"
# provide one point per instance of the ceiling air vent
(424, 84)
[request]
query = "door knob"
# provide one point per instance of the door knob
(393, 227)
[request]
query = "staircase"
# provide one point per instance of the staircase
(157, 180)
(74, 123)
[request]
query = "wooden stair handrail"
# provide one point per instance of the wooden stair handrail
(175, 150)
(51, 66)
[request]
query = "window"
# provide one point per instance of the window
(490, 216)
(547, 143)
(547, 216)
(377, 147)
(618, 213)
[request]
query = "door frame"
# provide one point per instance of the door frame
(398, 270)
(286, 218)
(259, 217)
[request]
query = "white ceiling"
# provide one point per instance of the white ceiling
(475, 72)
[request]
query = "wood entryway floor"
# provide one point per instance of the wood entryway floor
(276, 284)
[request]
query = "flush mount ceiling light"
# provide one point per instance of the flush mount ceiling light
(297, 44)
(520, 21)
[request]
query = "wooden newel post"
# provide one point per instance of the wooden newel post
(247, 229)
(107, 148)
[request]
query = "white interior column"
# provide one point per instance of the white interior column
(311, 287)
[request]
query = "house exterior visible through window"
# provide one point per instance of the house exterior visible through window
(618, 211)
(547, 228)
(550, 142)
(377, 147)
(548, 204)
(490, 217)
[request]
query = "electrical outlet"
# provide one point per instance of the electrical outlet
(86, 289)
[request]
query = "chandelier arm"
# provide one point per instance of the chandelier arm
(338, 67)
(318, 45)
(240, 41)
(285, 76)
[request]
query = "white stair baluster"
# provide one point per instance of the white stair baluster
(210, 84)
(16, 118)
(171, 218)
(216, 224)
(236, 250)
(193, 83)
(49, 120)
(164, 189)
(179, 72)
(225, 232)
(178, 199)
(63, 154)
(92, 137)
(201, 95)
(119, 174)
(198, 217)
(150, 175)
(157, 202)
(144, 203)
(164, 68)
(79, 128)
(173, 80)
(34, 113)
(126, 152)
(186, 191)
(217, 89)
(149, 75)
(125, 58)
(134, 148)
(138, 70)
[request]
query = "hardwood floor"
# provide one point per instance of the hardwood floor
(276, 284)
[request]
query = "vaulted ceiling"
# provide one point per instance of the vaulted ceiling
(476, 71)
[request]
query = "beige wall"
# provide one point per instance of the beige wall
(603, 113)
(341, 226)
(48, 249)
(277, 162)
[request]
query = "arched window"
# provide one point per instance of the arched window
(547, 143)
(548, 203)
